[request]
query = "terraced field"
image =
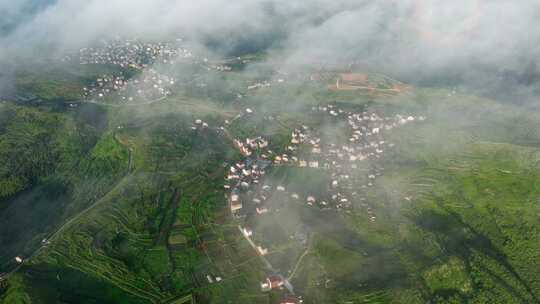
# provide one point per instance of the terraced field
(457, 205)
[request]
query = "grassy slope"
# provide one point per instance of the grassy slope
(123, 240)
(467, 235)
(63, 82)
(61, 161)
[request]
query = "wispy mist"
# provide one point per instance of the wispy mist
(478, 42)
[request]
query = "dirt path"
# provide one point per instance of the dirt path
(55, 234)
(299, 261)
(126, 104)
(263, 259)
(64, 226)
(130, 160)
(268, 265)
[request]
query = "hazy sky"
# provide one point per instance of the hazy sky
(406, 37)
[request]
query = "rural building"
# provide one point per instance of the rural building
(235, 203)
(272, 282)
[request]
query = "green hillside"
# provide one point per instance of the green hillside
(126, 203)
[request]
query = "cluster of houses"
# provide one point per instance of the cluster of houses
(136, 54)
(239, 178)
(142, 56)
(266, 83)
(362, 143)
(365, 143)
(307, 149)
(133, 53)
(243, 175)
(150, 85)
(199, 124)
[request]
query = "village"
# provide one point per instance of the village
(249, 190)
(350, 162)
(154, 63)
(151, 85)
(133, 53)
(365, 144)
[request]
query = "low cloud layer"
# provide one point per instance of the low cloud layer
(422, 39)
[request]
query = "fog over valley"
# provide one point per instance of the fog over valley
(270, 152)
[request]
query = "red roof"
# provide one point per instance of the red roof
(275, 281)
(289, 300)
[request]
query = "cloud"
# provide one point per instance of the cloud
(425, 36)
(15, 13)
(411, 38)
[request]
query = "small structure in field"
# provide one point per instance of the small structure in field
(272, 282)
